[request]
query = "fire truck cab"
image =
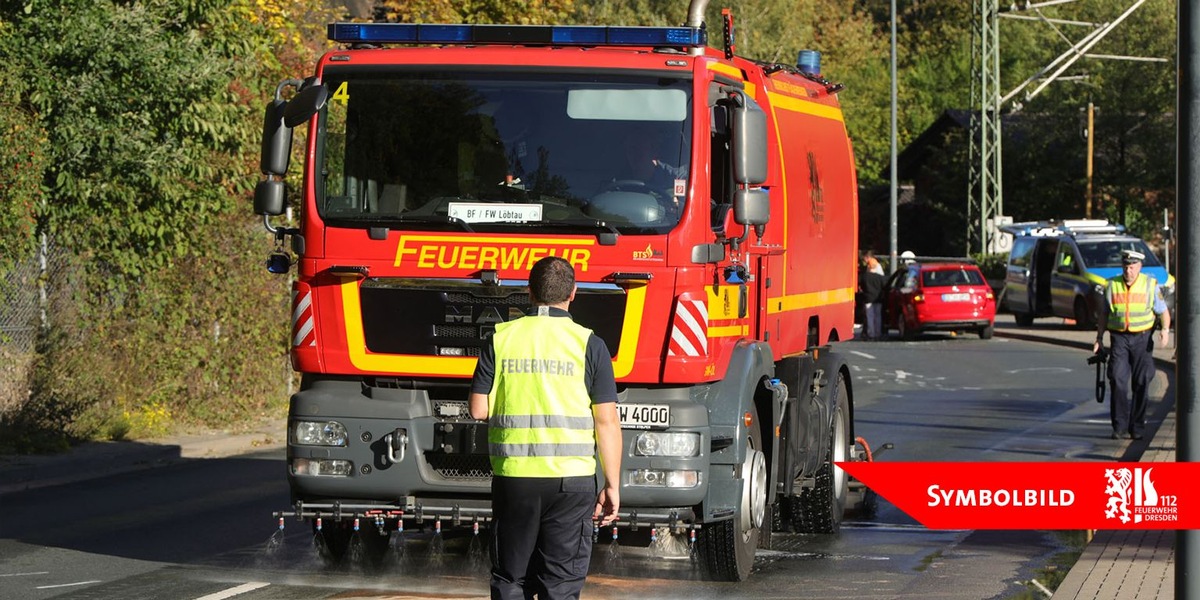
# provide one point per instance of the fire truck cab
(707, 202)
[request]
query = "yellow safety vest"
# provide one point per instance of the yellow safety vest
(1131, 308)
(540, 422)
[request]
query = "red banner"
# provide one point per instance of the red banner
(1066, 495)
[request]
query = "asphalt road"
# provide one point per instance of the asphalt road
(201, 529)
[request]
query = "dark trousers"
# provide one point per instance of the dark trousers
(1130, 370)
(542, 536)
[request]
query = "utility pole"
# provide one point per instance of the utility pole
(1091, 130)
(985, 198)
(1187, 364)
(894, 183)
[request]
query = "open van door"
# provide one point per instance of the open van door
(1018, 291)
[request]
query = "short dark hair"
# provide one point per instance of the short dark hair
(551, 280)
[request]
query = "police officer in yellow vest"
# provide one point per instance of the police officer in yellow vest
(1131, 301)
(546, 388)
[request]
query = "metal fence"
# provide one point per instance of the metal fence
(21, 316)
(22, 291)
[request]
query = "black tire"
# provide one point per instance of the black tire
(906, 332)
(1023, 319)
(985, 332)
(335, 543)
(726, 548)
(820, 509)
(1083, 316)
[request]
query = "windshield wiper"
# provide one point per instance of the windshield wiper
(609, 234)
(390, 221)
(607, 237)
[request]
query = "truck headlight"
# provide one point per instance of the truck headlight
(662, 478)
(319, 433)
(322, 467)
(656, 443)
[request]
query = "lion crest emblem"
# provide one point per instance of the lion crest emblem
(1118, 493)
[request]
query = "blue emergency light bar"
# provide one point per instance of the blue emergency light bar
(554, 35)
(1065, 227)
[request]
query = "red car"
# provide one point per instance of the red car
(939, 295)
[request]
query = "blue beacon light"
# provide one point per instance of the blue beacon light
(566, 35)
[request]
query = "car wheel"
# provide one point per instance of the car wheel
(906, 332)
(985, 332)
(1083, 316)
(1023, 319)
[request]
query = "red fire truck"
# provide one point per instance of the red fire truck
(707, 201)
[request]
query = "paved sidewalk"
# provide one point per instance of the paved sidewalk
(1117, 564)
(96, 459)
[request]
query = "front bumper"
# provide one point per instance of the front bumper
(955, 325)
(413, 457)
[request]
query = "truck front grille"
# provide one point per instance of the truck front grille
(460, 467)
(443, 317)
(468, 332)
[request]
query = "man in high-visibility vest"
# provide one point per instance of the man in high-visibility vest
(545, 385)
(1131, 302)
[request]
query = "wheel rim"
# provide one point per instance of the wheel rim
(839, 453)
(754, 491)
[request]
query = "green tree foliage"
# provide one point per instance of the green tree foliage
(523, 12)
(638, 12)
(137, 110)
(144, 118)
(23, 160)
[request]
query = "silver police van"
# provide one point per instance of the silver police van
(1056, 268)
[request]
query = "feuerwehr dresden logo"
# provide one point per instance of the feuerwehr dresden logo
(1132, 497)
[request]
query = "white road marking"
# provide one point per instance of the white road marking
(235, 591)
(863, 354)
(63, 585)
(24, 574)
(1050, 369)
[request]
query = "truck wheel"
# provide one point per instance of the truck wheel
(337, 545)
(820, 509)
(727, 547)
(1083, 316)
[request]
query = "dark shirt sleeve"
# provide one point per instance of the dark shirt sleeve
(598, 374)
(485, 370)
(672, 172)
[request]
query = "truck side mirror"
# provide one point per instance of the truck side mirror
(305, 104)
(751, 206)
(276, 140)
(749, 142)
(270, 197)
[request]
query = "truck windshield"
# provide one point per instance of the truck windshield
(496, 150)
